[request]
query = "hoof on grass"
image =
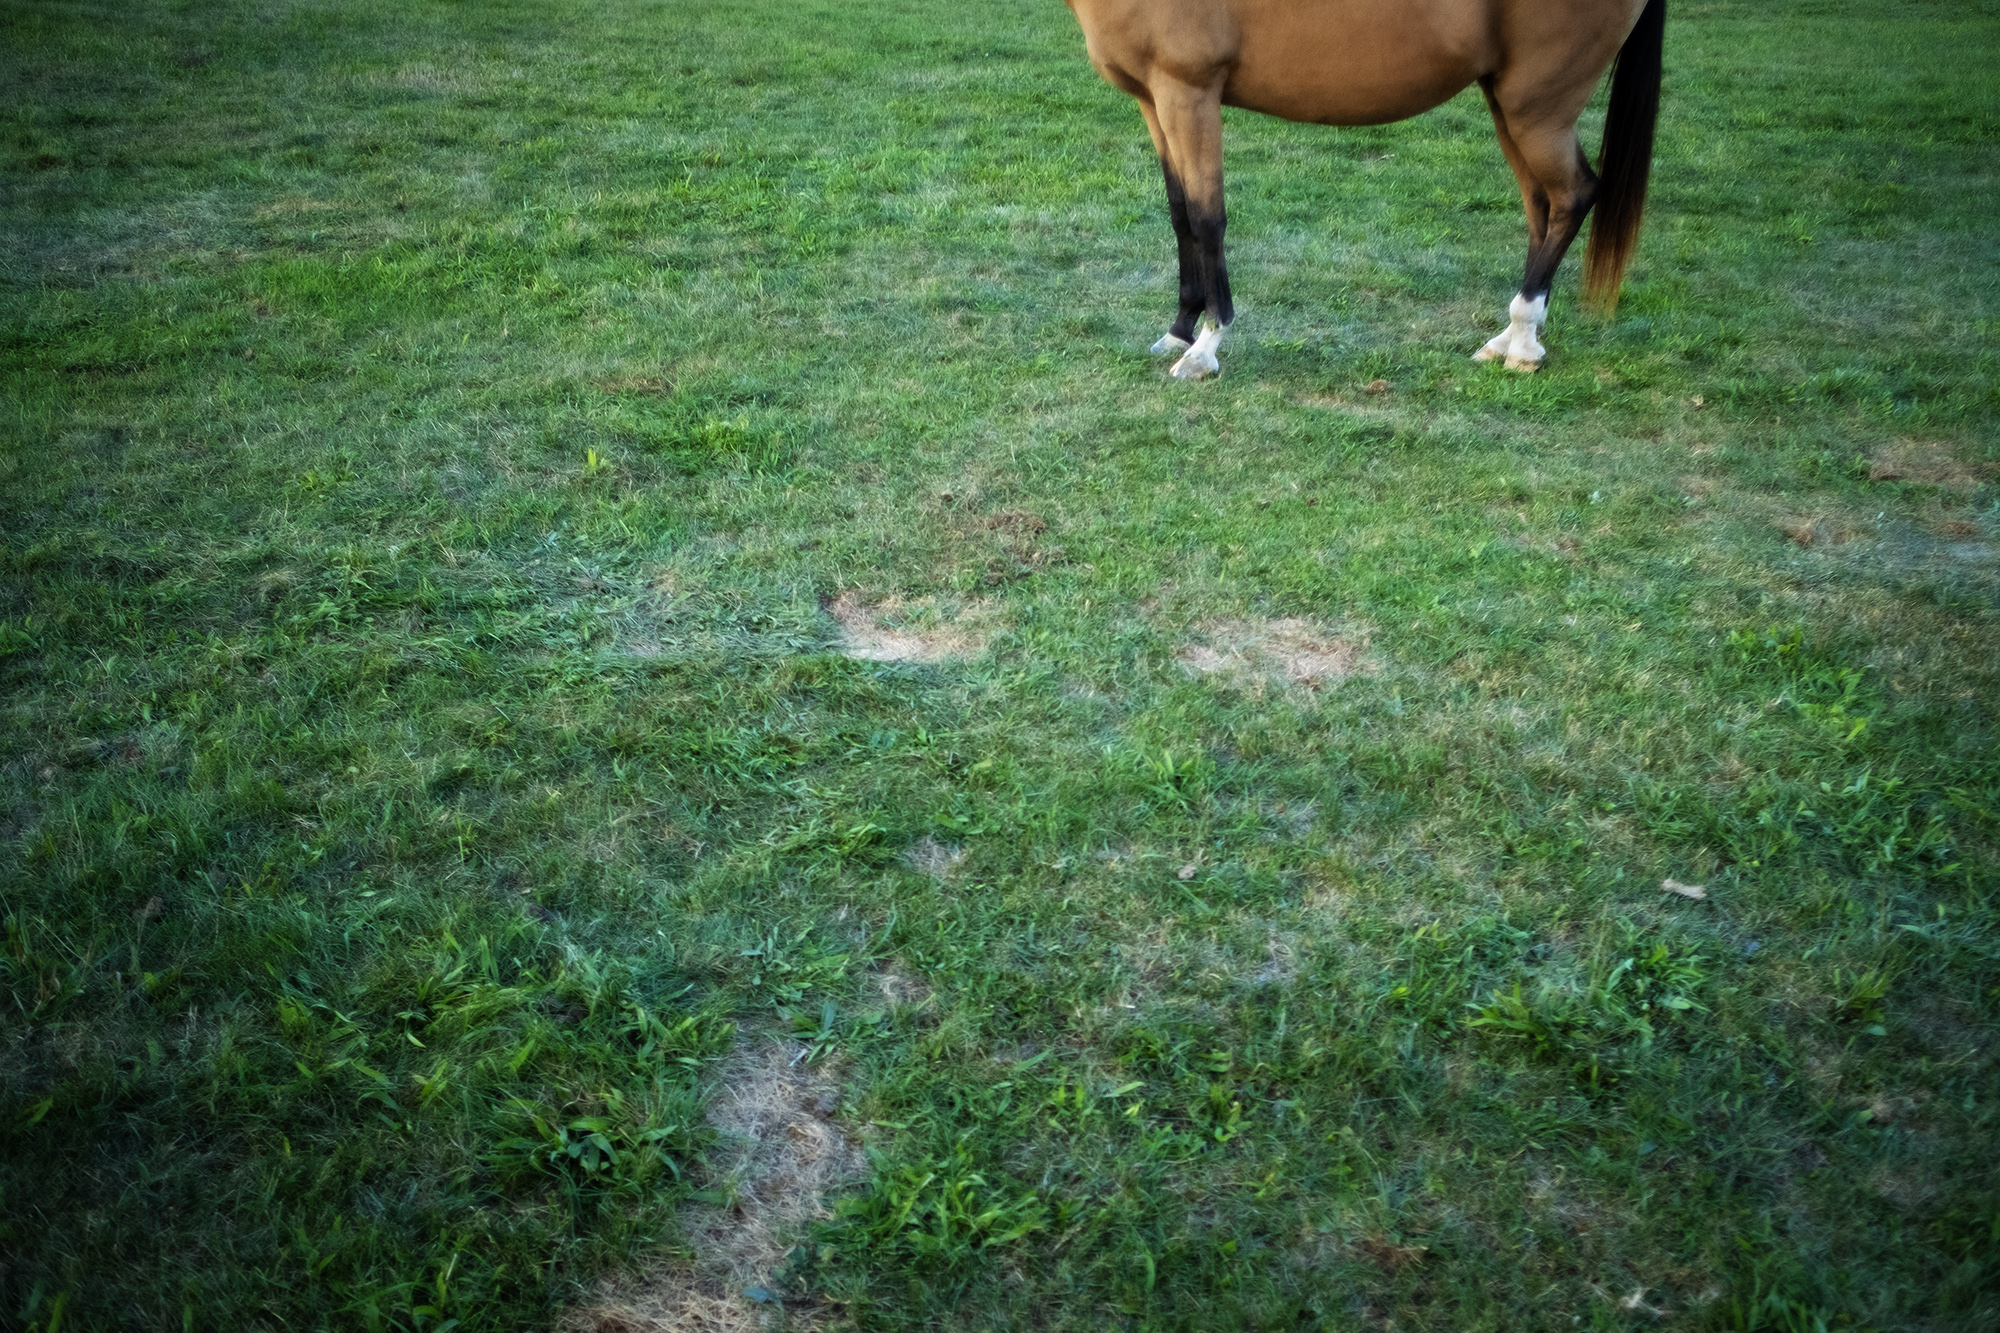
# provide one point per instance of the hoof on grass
(1196, 366)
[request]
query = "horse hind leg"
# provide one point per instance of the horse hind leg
(1557, 190)
(1187, 129)
(1521, 324)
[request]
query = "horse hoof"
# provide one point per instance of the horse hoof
(1487, 353)
(1171, 345)
(1196, 366)
(1523, 365)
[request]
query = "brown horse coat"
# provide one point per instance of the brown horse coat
(1366, 62)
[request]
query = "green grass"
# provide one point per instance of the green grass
(434, 432)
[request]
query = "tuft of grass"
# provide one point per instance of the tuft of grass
(547, 551)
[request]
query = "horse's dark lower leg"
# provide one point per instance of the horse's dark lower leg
(1193, 291)
(1206, 225)
(1187, 124)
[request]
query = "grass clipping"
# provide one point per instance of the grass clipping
(781, 1154)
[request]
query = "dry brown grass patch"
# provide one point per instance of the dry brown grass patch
(1296, 652)
(781, 1154)
(928, 856)
(652, 386)
(1009, 544)
(1280, 960)
(1930, 461)
(1805, 532)
(1018, 521)
(900, 988)
(867, 634)
(430, 78)
(293, 204)
(1388, 1256)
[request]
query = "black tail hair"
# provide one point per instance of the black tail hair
(1625, 159)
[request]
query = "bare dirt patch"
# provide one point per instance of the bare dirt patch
(1929, 461)
(898, 631)
(782, 1153)
(1255, 652)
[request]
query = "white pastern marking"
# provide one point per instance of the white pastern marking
(1199, 362)
(1518, 341)
(1170, 345)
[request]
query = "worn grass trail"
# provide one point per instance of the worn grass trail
(543, 545)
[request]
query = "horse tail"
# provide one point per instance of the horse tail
(1625, 159)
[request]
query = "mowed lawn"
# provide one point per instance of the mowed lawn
(628, 703)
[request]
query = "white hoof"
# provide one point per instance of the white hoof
(1518, 342)
(1196, 365)
(1169, 345)
(1198, 362)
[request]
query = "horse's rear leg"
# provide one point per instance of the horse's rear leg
(1186, 122)
(1557, 189)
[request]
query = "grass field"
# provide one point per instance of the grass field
(623, 685)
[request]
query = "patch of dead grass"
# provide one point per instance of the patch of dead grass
(1388, 1256)
(781, 1154)
(1932, 462)
(1009, 544)
(650, 386)
(431, 78)
(293, 205)
(1805, 532)
(1017, 521)
(928, 856)
(1253, 652)
(1280, 960)
(898, 631)
(901, 988)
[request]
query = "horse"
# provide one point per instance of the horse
(1370, 62)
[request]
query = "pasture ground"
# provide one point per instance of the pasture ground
(608, 634)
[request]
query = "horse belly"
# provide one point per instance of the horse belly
(1356, 62)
